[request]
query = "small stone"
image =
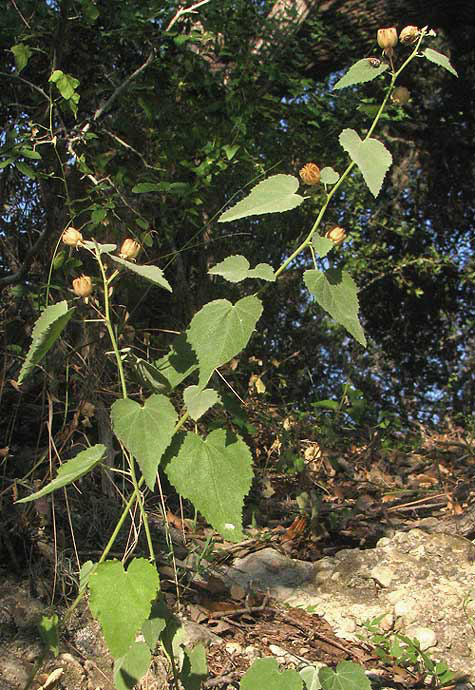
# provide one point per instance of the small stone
(425, 636)
(387, 622)
(403, 607)
(233, 648)
(276, 650)
(382, 575)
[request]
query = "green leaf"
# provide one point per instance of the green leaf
(195, 669)
(236, 268)
(220, 330)
(131, 667)
(146, 431)
(361, 71)
(48, 629)
(178, 364)
(65, 83)
(368, 109)
(71, 470)
(102, 248)
(230, 151)
(22, 54)
(121, 601)
(46, 331)
(439, 59)
(6, 162)
(148, 375)
(215, 475)
(309, 675)
(25, 169)
(329, 176)
(327, 405)
(274, 195)
(198, 401)
(177, 188)
(30, 153)
(86, 569)
(336, 292)
(347, 676)
(151, 273)
(371, 157)
(322, 245)
(156, 623)
(265, 673)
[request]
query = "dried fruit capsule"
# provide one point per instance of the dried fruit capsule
(409, 35)
(310, 174)
(387, 39)
(400, 95)
(82, 286)
(337, 235)
(129, 249)
(72, 237)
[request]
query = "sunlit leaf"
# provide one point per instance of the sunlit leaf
(265, 673)
(215, 475)
(274, 195)
(362, 71)
(145, 430)
(371, 157)
(131, 667)
(22, 54)
(151, 273)
(439, 59)
(198, 401)
(220, 330)
(336, 292)
(329, 176)
(121, 600)
(46, 331)
(236, 268)
(71, 470)
(347, 676)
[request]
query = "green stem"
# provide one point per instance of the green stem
(307, 241)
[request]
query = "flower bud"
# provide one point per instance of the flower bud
(400, 95)
(337, 235)
(387, 39)
(82, 286)
(129, 249)
(310, 174)
(409, 35)
(72, 237)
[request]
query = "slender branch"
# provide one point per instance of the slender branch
(100, 111)
(186, 10)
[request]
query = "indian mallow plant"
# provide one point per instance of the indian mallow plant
(214, 471)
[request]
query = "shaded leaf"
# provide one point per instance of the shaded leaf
(25, 169)
(215, 475)
(360, 72)
(121, 601)
(48, 629)
(146, 431)
(322, 245)
(194, 669)
(46, 331)
(198, 401)
(309, 675)
(156, 623)
(439, 59)
(131, 667)
(371, 157)
(71, 470)
(336, 292)
(179, 363)
(151, 273)
(274, 195)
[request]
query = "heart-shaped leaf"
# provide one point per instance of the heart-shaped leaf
(199, 401)
(371, 157)
(347, 676)
(214, 474)
(121, 601)
(146, 431)
(265, 673)
(220, 330)
(274, 195)
(336, 292)
(322, 245)
(329, 176)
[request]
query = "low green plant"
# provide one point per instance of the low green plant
(393, 647)
(164, 429)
